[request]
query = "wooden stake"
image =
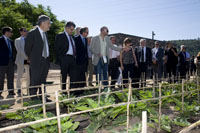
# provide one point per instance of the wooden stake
(198, 89)
(154, 86)
(68, 92)
(144, 121)
(22, 100)
(160, 107)
(58, 112)
(182, 95)
(43, 101)
(61, 83)
(99, 96)
(187, 129)
(128, 105)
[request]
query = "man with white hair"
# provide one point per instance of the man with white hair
(37, 51)
(157, 59)
(182, 64)
(144, 58)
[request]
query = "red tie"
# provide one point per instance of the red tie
(74, 50)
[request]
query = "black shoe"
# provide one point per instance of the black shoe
(48, 100)
(91, 85)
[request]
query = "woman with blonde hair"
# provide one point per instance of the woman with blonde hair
(128, 61)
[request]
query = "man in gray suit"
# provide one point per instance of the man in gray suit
(37, 50)
(157, 59)
(100, 49)
(20, 58)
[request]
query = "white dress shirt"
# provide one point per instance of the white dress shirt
(47, 46)
(144, 48)
(70, 50)
(113, 53)
(155, 50)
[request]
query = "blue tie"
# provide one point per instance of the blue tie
(9, 47)
(83, 41)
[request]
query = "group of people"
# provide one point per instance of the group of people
(79, 55)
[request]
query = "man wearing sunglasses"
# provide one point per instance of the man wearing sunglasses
(100, 49)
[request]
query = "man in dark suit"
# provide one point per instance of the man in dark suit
(82, 56)
(171, 59)
(182, 64)
(157, 59)
(66, 54)
(144, 58)
(7, 53)
(37, 51)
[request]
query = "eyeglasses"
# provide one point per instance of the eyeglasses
(107, 31)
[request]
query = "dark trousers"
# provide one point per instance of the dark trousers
(131, 71)
(38, 74)
(7, 70)
(143, 71)
(81, 72)
(171, 69)
(127, 72)
(113, 71)
(182, 70)
(68, 67)
(158, 70)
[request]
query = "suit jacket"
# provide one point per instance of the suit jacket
(171, 58)
(182, 59)
(4, 51)
(81, 51)
(21, 56)
(138, 53)
(34, 47)
(158, 56)
(95, 48)
(61, 46)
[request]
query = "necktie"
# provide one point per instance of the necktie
(73, 47)
(83, 41)
(142, 54)
(9, 47)
(45, 46)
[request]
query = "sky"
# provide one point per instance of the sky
(169, 19)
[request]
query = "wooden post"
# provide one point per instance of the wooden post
(160, 107)
(99, 96)
(43, 101)
(61, 83)
(122, 83)
(198, 89)
(98, 78)
(68, 92)
(179, 77)
(144, 121)
(154, 86)
(58, 112)
(128, 105)
(86, 79)
(182, 95)
(22, 100)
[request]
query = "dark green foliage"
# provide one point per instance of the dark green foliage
(24, 14)
(192, 45)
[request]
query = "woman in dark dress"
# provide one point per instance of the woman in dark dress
(128, 61)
